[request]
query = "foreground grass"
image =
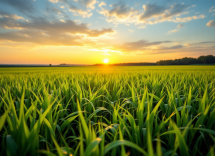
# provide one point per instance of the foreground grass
(166, 110)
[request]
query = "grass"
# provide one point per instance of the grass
(96, 111)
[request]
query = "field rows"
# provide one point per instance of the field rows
(90, 111)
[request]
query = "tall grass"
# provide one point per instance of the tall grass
(96, 112)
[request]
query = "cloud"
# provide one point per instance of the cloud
(102, 4)
(120, 13)
(175, 10)
(10, 16)
(77, 11)
(151, 14)
(88, 3)
(144, 47)
(38, 37)
(172, 31)
(54, 1)
(211, 23)
(55, 10)
(138, 45)
(180, 26)
(152, 10)
(154, 13)
(24, 6)
(188, 47)
(186, 19)
(206, 43)
(42, 31)
(172, 47)
(212, 9)
(175, 30)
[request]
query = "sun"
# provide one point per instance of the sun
(105, 60)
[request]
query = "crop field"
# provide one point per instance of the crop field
(96, 111)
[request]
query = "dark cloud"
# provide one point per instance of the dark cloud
(139, 45)
(51, 10)
(175, 9)
(25, 6)
(172, 47)
(208, 42)
(151, 10)
(120, 10)
(182, 49)
(161, 13)
(120, 13)
(199, 44)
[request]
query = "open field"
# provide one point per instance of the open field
(140, 110)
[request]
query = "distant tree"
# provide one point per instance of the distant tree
(188, 60)
(50, 65)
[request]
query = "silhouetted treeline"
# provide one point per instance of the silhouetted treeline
(209, 59)
(128, 64)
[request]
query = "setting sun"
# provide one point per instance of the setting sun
(106, 61)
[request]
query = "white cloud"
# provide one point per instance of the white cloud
(11, 16)
(102, 4)
(54, 1)
(172, 31)
(62, 20)
(175, 30)
(186, 19)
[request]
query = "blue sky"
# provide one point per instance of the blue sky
(88, 31)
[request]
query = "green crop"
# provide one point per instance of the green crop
(96, 111)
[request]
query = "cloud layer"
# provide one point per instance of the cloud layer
(151, 13)
(77, 23)
(43, 31)
(84, 12)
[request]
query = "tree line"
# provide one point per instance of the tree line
(209, 59)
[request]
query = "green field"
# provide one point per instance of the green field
(96, 111)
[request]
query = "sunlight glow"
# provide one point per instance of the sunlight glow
(106, 61)
(105, 50)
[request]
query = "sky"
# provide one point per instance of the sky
(89, 31)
